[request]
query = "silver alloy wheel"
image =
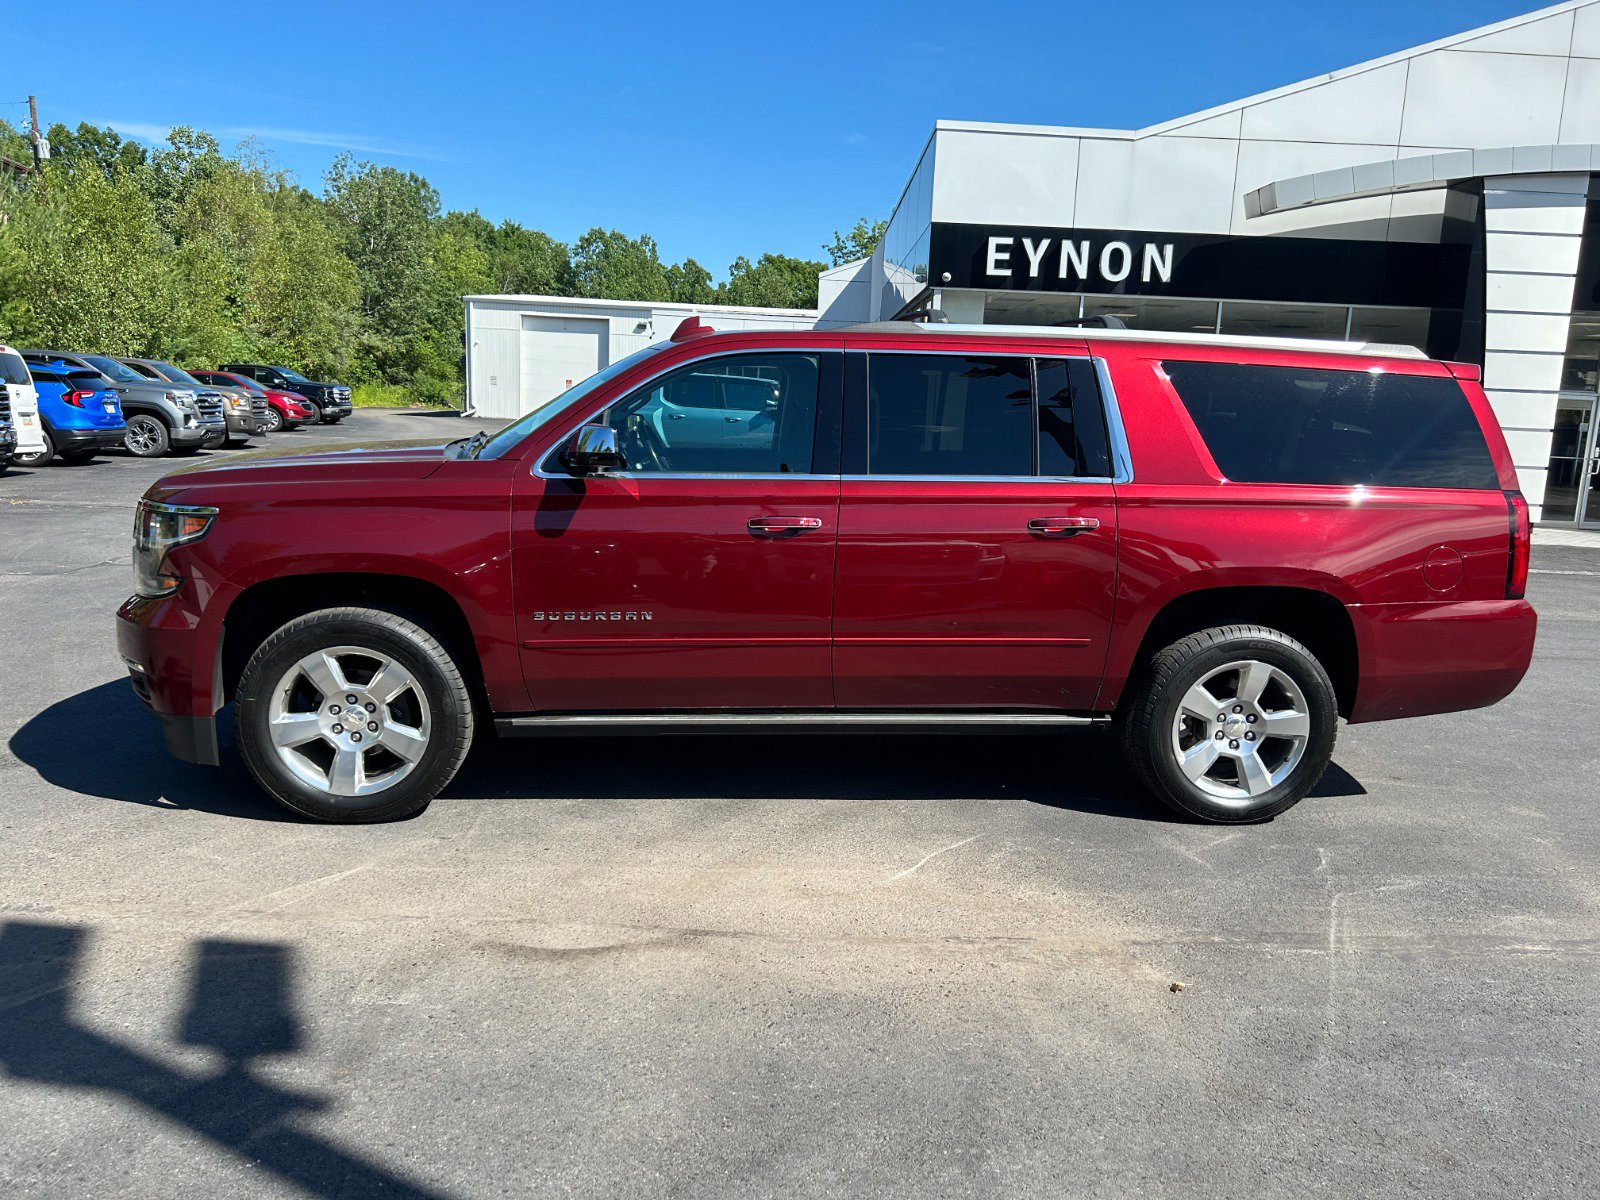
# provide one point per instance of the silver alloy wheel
(274, 420)
(1241, 731)
(143, 436)
(349, 721)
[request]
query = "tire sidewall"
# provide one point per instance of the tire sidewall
(41, 458)
(448, 709)
(1314, 684)
(274, 420)
(163, 441)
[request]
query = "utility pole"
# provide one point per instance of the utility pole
(40, 152)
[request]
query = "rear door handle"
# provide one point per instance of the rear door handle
(1062, 526)
(784, 524)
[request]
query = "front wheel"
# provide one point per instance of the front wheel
(353, 715)
(1232, 725)
(274, 421)
(146, 436)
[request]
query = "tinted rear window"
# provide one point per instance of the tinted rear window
(1268, 424)
(13, 369)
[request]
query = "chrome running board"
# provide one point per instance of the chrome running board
(675, 723)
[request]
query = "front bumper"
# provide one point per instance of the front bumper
(172, 667)
(244, 423)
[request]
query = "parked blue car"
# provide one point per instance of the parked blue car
(80, 415)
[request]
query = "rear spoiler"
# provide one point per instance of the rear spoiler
(1471, 372)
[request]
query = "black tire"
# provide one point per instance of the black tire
(76, 456)
(1151, 715)
(42, 458)
(274, 420)
(316, 412)
(434, 673)
(235, 443)
(147, 436)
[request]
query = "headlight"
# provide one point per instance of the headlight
(157, 528)
(185, 399)
(240, 403)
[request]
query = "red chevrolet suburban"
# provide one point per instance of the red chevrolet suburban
(1222, 544)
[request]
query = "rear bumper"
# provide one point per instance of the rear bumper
(76, 441)
(1418, 659)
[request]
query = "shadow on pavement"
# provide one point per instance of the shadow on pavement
(240, 1006)
(1080, 771)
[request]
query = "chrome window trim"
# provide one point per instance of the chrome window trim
(539, 464)
(1121, 457)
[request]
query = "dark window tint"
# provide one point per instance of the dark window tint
(747, 414)
(949, 414)
(1267, 424)
(13, 369)
(1072, 421)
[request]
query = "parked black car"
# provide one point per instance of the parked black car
(331, 400)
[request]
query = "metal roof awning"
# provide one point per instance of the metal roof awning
(1417, 174)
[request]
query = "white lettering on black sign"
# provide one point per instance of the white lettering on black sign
(1073, 259)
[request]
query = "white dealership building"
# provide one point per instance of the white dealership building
(1440, 197)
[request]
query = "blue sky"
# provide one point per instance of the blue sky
(721, 129)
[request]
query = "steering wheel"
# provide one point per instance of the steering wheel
(641, 443)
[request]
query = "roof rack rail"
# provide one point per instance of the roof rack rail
(1244, 341)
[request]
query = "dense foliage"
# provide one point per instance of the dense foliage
(203, 256)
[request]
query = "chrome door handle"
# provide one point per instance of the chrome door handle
(1062, 526)
(783, 524)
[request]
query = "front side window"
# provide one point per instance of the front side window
(742, 414)
(1271, 424)
(113, 370)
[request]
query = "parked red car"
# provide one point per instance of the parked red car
(285, 410)
(1222, 544)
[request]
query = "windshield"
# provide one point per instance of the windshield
(174, 374)
(13, 369)
(112, 369)
(539, 417)
(291, 376)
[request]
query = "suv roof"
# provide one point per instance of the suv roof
(944, 329)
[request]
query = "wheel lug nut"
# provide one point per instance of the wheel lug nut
(338, 728)
(1238, 708)
(1251, 718)
(1219, 735)
(371, 707)
(1249, 736)
(372, 727)
(334, 709)
(352, 700)
(1221, 717)
(355, 737)
(1233, 745)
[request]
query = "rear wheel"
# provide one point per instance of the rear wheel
(1232, 725)
(39, 458)
(353, 715)
(146, 436)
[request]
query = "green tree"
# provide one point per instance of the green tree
(690, 283)
(89, 146)
(856, 244)
(611, 265)
(528, 262)
(772, 281)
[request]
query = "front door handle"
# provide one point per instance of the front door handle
(773, 525)
(1062, 526)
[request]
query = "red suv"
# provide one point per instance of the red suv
(1223, 545)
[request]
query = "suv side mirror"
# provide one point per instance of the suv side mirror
(595, 450)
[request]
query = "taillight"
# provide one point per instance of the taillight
(1521, 546)
(76, 398)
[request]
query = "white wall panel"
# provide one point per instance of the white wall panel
(1532, 481)
(1458, 98)
(1001, 178)
(1523, 410)
(1529, 447)
(1521, 371)
(1551, 35)
(1580, 117)
(1534, 252)
(1526, 331)
(1359, 108)
(1263, 162)
(1529, 293)
(1586, 32)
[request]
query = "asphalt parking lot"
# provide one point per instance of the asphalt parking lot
(831, 966)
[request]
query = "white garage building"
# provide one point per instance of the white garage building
(523, 351)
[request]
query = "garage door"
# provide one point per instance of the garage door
(558, 352)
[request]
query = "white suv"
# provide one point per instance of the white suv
(24, 402)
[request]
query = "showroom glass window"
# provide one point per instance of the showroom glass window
(981, 415)
(742, 414)
(1268, 424)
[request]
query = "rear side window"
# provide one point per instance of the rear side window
(970, 415)
(1270, 424)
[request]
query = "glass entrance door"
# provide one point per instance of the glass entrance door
(1572, 492)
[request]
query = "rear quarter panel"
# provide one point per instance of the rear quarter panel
(1422, 572)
